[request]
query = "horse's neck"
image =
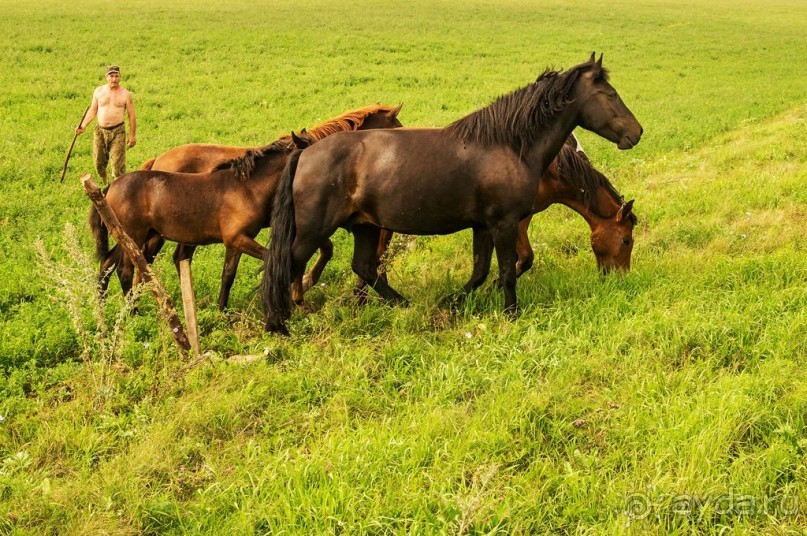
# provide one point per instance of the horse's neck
(546, 148)
(268, 167)
(603, 205)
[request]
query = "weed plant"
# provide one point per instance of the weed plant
(670, 400)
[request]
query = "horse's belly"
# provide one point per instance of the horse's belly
(192, 227)
(412, 221)
(437, 230)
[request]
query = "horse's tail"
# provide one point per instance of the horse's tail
(99, 232)
(148, 165)
(279, 264)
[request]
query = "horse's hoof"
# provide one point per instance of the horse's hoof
(454, 300)
(362, 295)
(277, 327)
(512, 313)
(304, 307)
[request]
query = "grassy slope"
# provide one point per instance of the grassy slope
(684, 376)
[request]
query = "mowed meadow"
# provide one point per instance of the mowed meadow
(670, 400)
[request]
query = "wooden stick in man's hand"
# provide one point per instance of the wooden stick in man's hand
(70, 150)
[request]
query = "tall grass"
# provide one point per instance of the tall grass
(670, 400)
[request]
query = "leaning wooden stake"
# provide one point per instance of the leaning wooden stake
(189, 304)
(164, 301)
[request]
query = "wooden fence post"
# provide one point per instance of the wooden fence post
(189, 304)
(164, 301)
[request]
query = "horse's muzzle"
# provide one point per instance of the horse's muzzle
(629, 141)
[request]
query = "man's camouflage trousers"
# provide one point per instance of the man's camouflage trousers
(109, 147)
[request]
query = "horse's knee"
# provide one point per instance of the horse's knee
(524, 263)
(297, 291)
(364, 269)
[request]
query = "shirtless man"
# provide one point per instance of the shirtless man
(111, 103)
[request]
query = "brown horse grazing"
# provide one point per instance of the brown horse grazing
(481, 172)
(570, 180)
(229, 205)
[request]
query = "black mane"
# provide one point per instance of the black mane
(244, 165)
(517, 119)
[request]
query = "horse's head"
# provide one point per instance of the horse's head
(303, 140)
(384, 117)
(601, 109)
(612, 239)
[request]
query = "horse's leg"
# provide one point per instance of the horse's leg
(313, 275)
(483, 253)
(360, 290)
(183, 252)
(384, 239)
(231, 260)
(151, 248)
(124, 266)
(125, 271)
(365, 261)
(505, 237)
(105, 270)
(246, 244)
(302, 251)
(523, 247)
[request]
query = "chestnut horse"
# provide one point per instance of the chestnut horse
(229, 205)
(480, 172)
(570, 180)
(206, 157)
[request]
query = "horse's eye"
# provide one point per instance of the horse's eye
(627, 241)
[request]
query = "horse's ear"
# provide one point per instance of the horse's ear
(625, 211)
(395, 111)
(593, 57)
(599, 61)
(302, 141)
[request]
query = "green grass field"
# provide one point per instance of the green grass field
(672, 400)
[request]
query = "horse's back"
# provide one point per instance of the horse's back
(197, 157)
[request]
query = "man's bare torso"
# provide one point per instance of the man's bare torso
(111, 105)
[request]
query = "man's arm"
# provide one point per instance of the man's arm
(90, 114)
(132, 120)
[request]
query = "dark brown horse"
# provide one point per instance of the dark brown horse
(570, 180)
(229, 205)
(481, 172)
